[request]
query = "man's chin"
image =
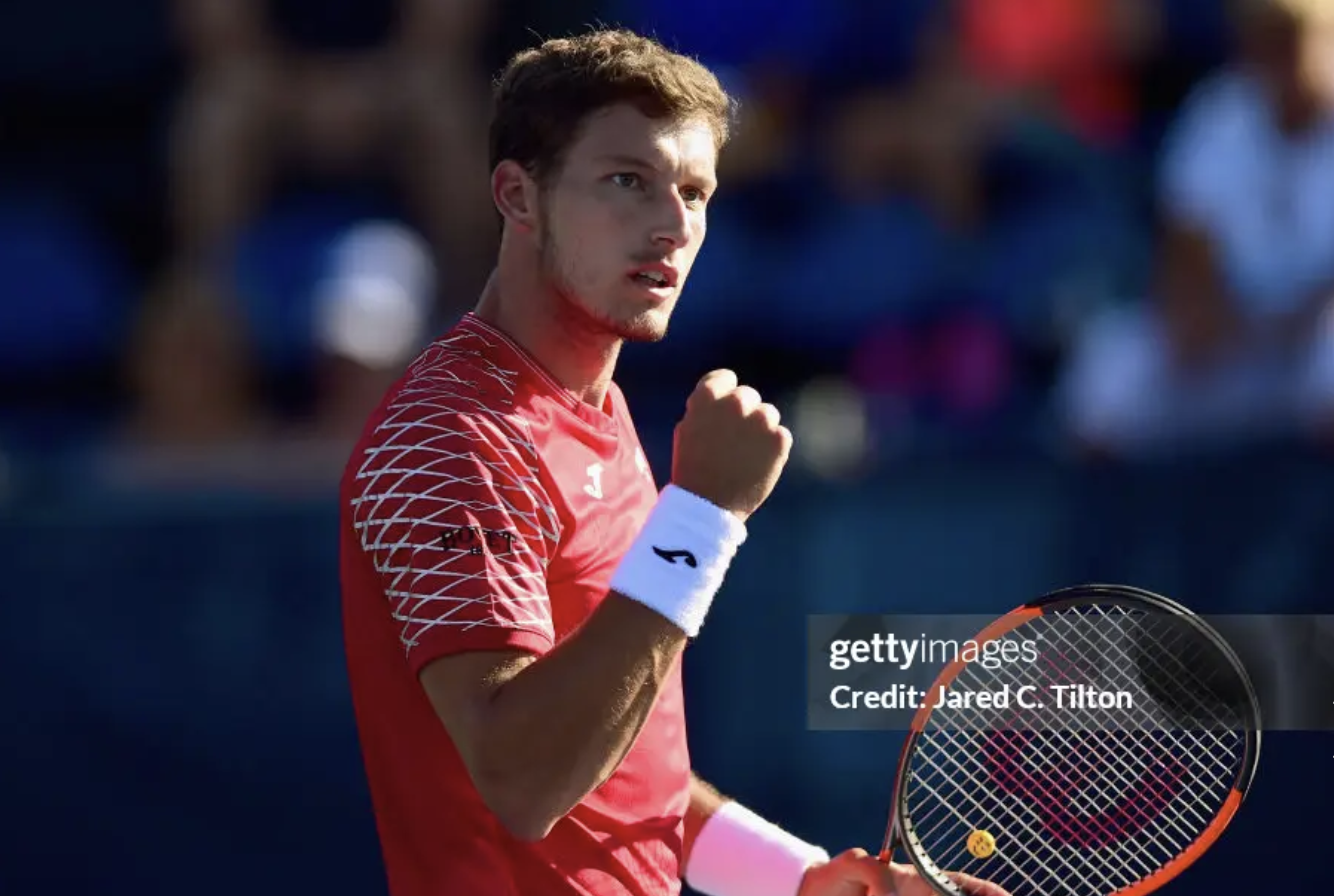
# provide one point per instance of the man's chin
(650, 326)
(638, 325)
(643, 329)
(641, 325)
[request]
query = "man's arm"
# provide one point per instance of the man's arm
(537, 734)
(704, 801)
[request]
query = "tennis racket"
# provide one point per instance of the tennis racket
(1129, 738)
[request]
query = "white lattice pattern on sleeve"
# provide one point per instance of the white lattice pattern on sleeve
(446, 458)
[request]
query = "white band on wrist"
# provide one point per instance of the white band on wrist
(738, 853)
(678, 562)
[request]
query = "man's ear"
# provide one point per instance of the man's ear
(515, 194)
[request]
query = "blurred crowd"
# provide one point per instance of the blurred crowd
(1100, 226)
(955, 240)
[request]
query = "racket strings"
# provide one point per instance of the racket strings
(958, 816)
(1129, 785)
(942, 800)
(1191, 678)
(1218, 744)
(942, 795)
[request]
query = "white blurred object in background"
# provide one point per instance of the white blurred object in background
(375, 305)
(831, 432)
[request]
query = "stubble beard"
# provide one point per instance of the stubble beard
(646, 326)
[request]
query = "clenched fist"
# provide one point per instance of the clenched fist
(729, 447)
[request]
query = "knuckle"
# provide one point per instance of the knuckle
(704, 394)
(717, 382)
(747, 398)
(717, 390)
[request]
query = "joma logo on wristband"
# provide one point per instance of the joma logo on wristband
(672, 556)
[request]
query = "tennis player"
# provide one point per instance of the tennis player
(517, 590)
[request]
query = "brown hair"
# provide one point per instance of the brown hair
(545, 94)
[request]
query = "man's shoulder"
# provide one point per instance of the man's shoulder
(465, 368)
(458, 383)
(457, 402)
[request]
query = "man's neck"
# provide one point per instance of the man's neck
(555, 335)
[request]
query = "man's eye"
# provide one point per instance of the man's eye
(693, 195)
(626, 180)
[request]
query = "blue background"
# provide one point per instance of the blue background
(178, 714)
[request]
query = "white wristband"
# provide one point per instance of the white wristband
(738, 853)
(677, 563)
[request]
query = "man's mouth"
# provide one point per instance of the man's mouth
(655, 276)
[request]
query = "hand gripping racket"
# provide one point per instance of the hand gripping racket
(1129, 737)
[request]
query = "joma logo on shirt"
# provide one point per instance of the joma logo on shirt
(475, 540)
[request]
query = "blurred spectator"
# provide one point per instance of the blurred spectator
(348, 96)
(922, 132)
(984, 71)
(302, 126)
(764, 53)
(193, 368)
(1074, 59)
(190, 370)
(1233, 346)
(965, 193)
(200, 415)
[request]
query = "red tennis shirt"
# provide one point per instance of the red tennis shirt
(486, 507)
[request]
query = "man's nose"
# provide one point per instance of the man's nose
(672, 224)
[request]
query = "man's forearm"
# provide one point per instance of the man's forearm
(560, 727)
(562, 724)
(704, 801)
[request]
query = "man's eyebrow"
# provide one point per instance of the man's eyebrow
(630, 161)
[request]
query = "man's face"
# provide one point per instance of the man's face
(623, 218)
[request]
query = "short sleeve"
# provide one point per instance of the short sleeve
(448, 507)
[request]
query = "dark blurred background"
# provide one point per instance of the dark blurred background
(1040, 286)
